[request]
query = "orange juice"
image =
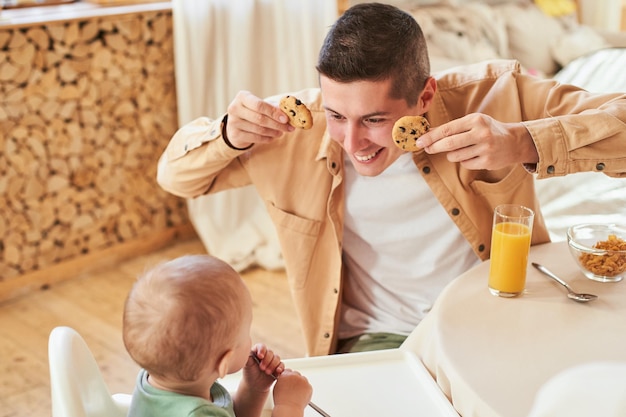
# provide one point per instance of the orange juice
(510, 243)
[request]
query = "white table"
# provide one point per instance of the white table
(490, 355)
(369, 384)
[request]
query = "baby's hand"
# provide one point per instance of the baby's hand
(263, 366)
(292, 394)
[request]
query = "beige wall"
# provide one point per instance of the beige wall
(605, 14)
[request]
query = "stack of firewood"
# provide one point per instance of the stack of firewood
(86, 108)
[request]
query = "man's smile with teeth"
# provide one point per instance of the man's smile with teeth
(364, 158)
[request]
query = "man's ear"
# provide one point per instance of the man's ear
(223, 362)
(427, 95)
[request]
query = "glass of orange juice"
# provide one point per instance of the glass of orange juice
(510, 244)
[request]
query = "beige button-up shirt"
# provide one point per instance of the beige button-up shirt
(299, 176)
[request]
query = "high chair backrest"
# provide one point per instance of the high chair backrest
(77, 386)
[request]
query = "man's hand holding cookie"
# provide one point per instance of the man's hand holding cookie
(252, 120)
(478, 141)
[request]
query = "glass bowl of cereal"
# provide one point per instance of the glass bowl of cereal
(599, 250)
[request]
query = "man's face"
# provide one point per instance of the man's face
(360, 117)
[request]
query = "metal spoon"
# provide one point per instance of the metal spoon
(582, 298)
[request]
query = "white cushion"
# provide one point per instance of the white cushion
(530, 32)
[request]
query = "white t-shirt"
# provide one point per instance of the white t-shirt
(400, 247)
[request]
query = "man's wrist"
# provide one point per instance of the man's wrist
(530, 154)
(225, 137)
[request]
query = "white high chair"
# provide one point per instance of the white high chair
(77, 386)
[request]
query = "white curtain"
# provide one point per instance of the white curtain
(222, 46)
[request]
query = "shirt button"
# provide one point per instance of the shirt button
(455, 211)
(550, 169)
(600, 166)
(426, 170)
(186, 147)
(333, 165)
(481, 248)
(326, 335)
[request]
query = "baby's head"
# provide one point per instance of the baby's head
(184, 316)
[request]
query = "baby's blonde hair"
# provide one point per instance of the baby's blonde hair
(183, 315)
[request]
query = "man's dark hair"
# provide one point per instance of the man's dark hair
(375, 42)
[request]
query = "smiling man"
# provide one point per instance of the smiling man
(370, 234)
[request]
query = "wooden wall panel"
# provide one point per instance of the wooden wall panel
(86, 108)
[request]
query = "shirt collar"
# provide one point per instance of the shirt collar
(329, 149)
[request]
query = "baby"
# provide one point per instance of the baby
(187, 323)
